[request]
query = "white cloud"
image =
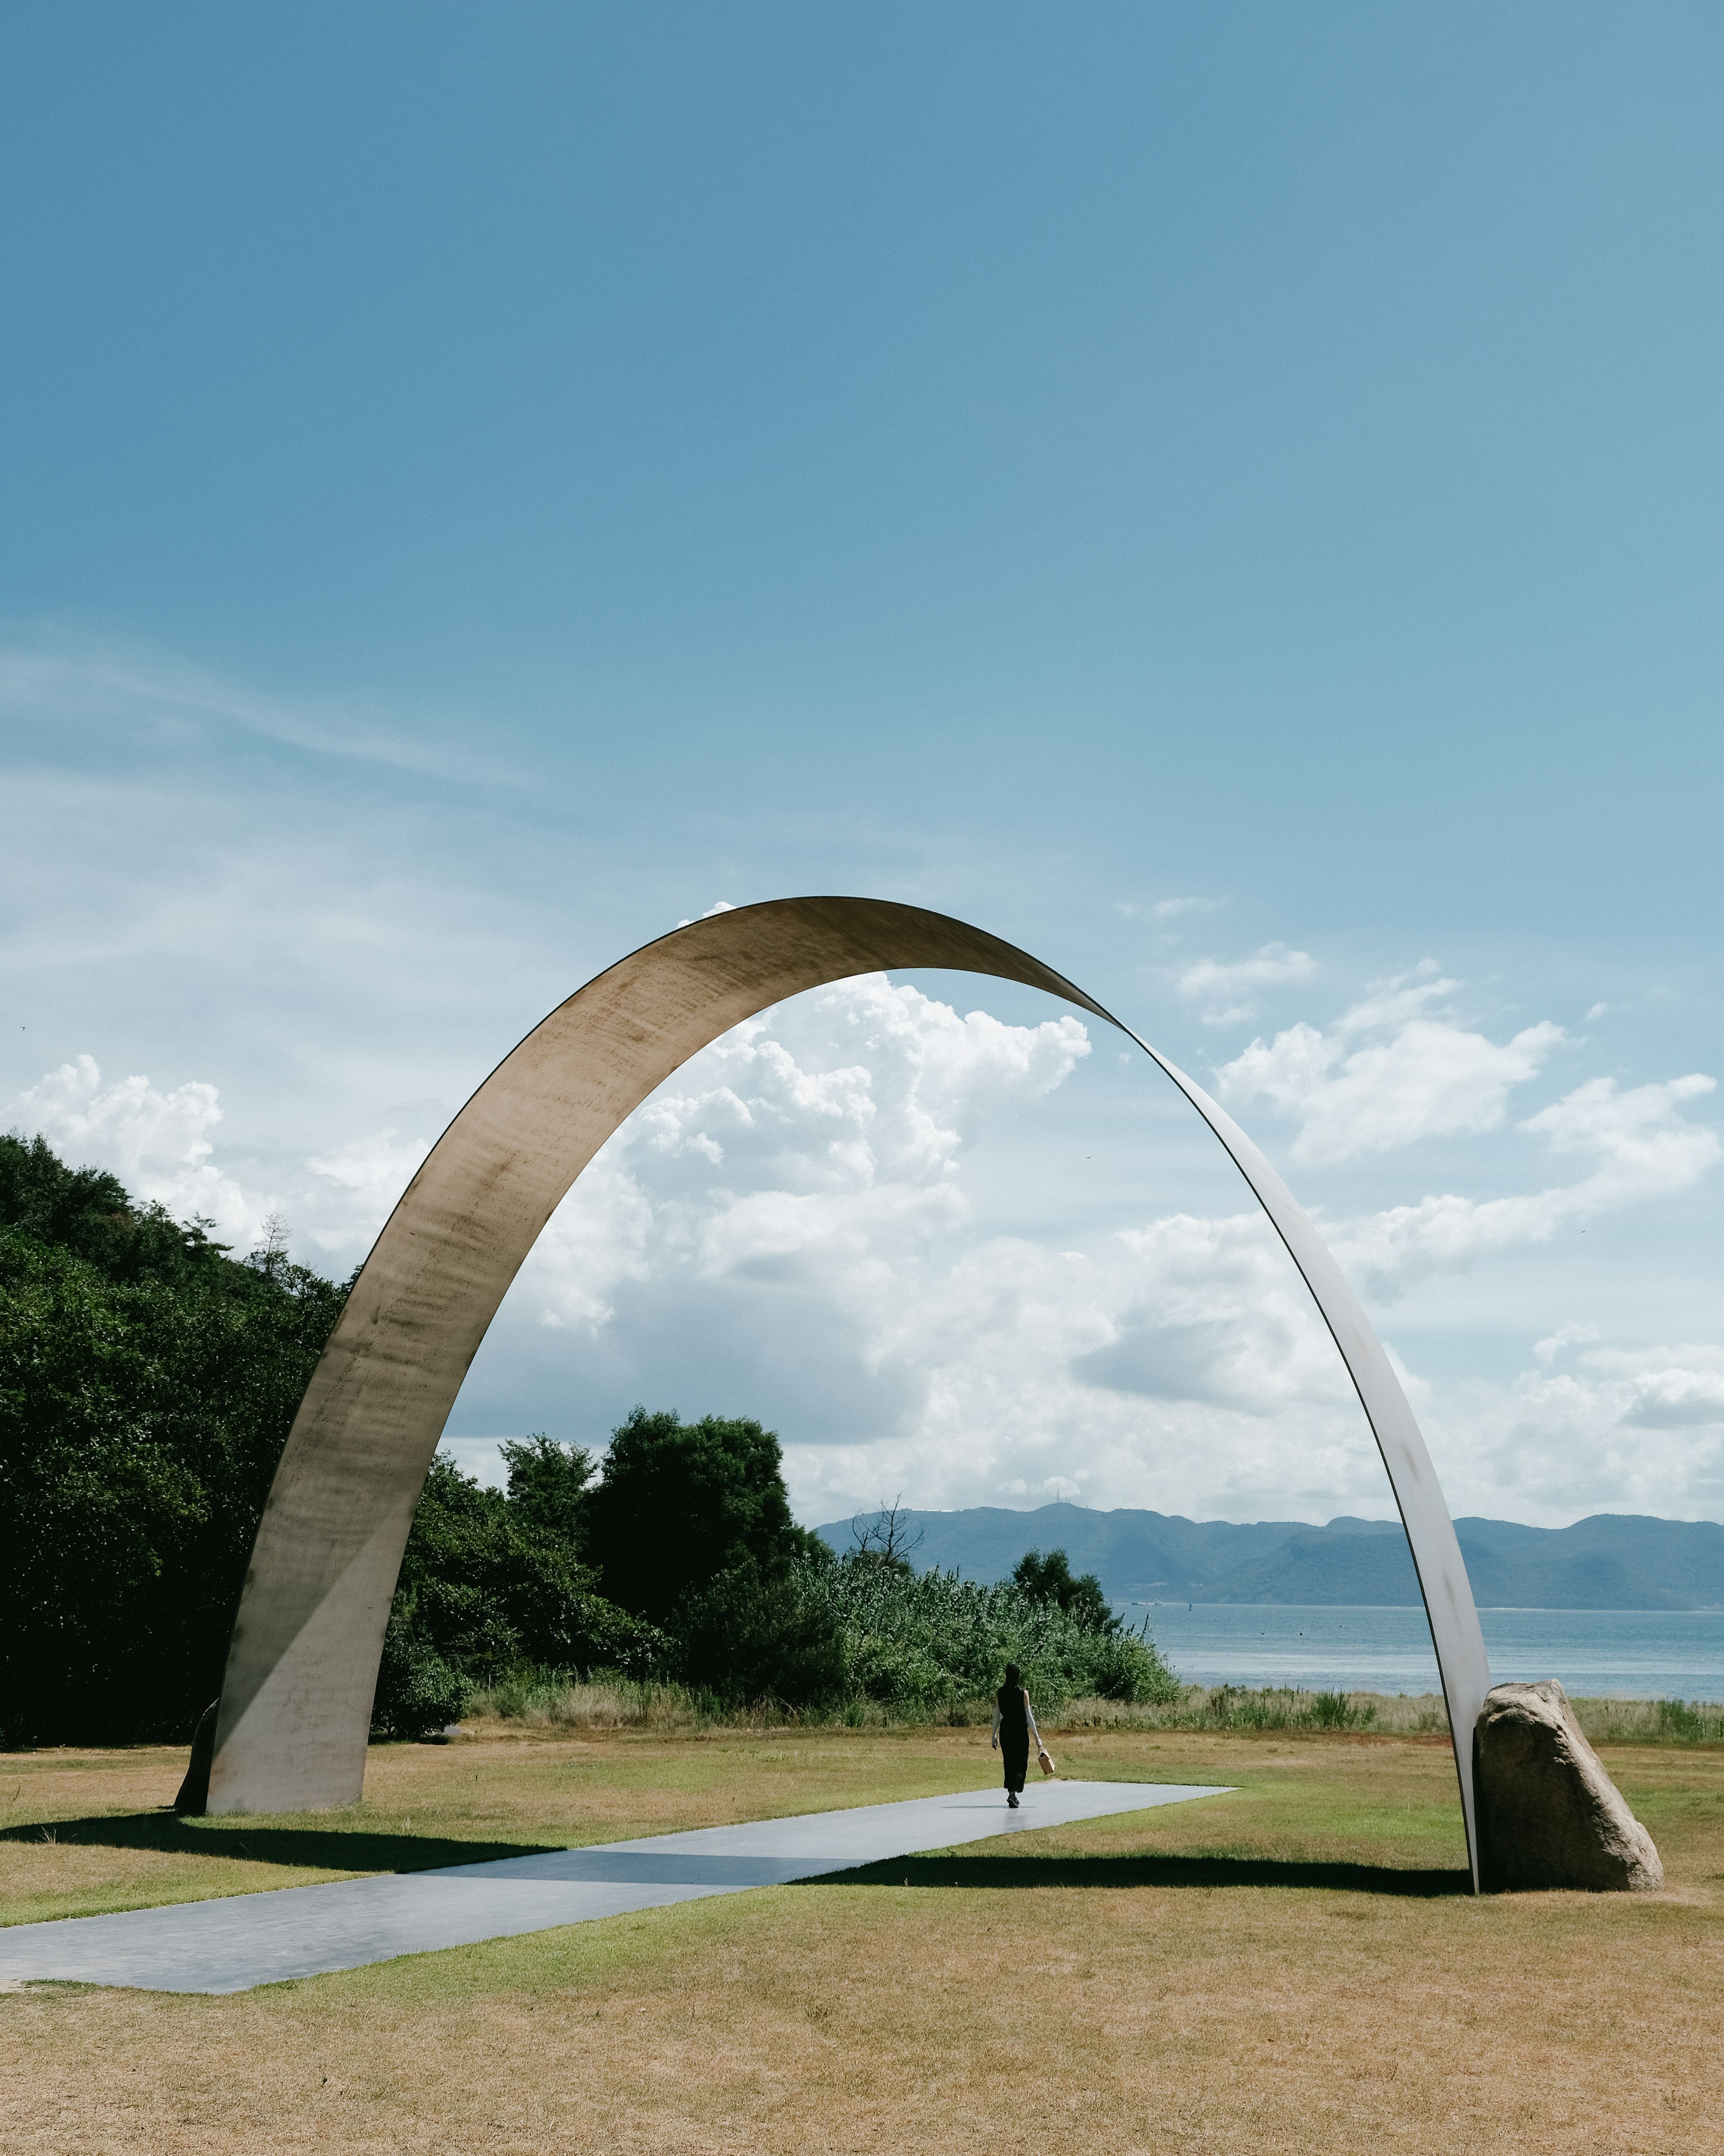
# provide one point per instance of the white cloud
(1227, 989)
(156, 1142)
(755, 1159)
(789, 1221)
(1675, 1397)
(798, 1189)
(788, 1227)
(1565, 1336)
(161, 1147)
(1628, 1430)
(1170, 909)
(358, 1185)
(1388, 1073)
(1644, 1148)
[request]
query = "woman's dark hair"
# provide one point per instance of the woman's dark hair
(1014, 1676)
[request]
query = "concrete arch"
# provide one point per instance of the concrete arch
(295, 1705)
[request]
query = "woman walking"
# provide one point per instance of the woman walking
(1014, 1726)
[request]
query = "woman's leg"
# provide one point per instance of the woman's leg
(1016, 1759)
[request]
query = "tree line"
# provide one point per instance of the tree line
(148, 1379)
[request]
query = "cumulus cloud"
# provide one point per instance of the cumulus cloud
(1398, 1068)
(1388, 1073)
(1626, 1431)
(765, 1155)
(797, 1194)
(1227, 989)
(788, 1227)
(161, 1147)
(791, 1226)
(157, 1143)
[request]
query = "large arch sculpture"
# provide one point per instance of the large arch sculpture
(302, 1666)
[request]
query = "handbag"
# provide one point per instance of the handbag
(1044, 1760)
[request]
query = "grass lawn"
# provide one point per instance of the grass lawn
(1291, 1968)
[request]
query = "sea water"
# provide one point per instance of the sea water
(1632, 1654)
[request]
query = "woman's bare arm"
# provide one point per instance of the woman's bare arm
(1030, 1716)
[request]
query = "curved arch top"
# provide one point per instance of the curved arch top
(302, 1664)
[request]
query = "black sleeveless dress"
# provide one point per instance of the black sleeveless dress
(1014, 1734)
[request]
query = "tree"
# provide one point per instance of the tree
(749, 1636)
(548, 1485)
(887, 1538)
(147, 1383)
(1049, 1580)
(678, 1503)
(490, 1587)
(87, 1213)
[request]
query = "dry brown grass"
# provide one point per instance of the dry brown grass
(1209, 1978)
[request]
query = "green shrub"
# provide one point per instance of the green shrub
(748, 1635)
(418, 1692)
(491, 1589)
(1687, 1725)
(147, 1383)
(933, 1641)
(1334, 1710)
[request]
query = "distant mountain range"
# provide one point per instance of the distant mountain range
(1612, 1561)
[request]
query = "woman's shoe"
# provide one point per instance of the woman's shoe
(1012, 1799)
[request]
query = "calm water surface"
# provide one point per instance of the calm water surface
(1637, 1654)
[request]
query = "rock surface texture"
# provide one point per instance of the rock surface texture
(1549, 1815)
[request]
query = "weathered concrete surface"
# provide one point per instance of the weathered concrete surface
(241, 1940)
(1549, 1815)
(194, 1790)
(302, 1666)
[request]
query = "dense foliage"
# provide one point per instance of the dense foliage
(934, 1640)
(491, 1585)
(1049, 1580)
(148, 1382)
(679, 1503)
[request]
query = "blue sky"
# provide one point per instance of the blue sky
(1227, 500)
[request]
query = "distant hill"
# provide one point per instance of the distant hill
(1612, 1561)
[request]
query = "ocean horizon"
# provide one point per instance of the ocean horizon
(1595, 1654)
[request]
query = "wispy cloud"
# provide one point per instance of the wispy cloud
(1227, 988)
(1644, 1148)
(145, 694)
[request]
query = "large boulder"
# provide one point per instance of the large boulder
(1549, 1815)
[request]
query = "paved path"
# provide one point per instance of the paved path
(246, 1939)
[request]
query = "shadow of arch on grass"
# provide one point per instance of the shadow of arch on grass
(321, 1849)
(1113, 1872)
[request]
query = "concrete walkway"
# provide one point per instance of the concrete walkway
(247, 1939)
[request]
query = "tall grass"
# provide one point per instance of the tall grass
(1237, 1707)
(550, 1701)
(929, 1643)
(1651, 1721)
(1393, 1714)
